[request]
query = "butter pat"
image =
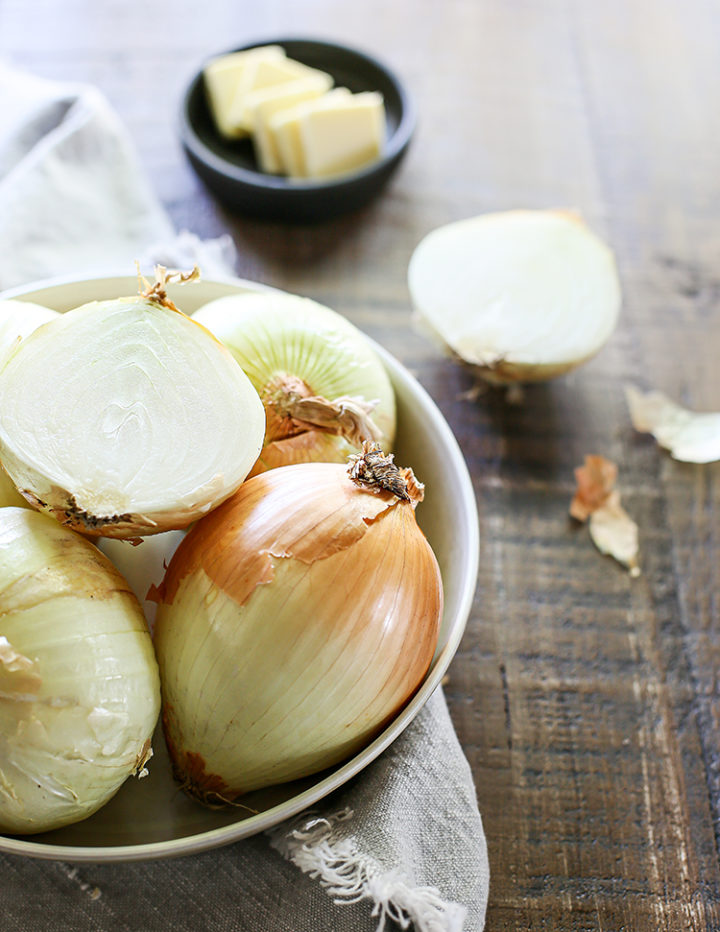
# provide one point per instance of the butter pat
(299, 124)
(263, 81)
(285, 129)
(274, 100)
(342, 136)
(224, 75)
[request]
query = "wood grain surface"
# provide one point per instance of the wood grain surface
(588, 703)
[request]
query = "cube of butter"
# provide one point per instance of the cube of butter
(260, 83)
(285, 129)
(343, 136)
(224, 75)
(271, 102)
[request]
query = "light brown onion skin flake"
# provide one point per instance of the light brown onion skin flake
(359, 592)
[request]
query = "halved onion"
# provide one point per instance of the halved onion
(294, 621)
(323, 386)
(79, 686)
(9, 495)
(524, 295)
(125, 417)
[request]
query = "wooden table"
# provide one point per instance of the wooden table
(588, 703)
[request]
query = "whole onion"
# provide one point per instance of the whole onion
(294, 622)
(79, 687)
(322, 384)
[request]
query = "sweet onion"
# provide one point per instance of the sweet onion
(293, 622)
(523, 295)
(79, 687)
(18, 319)
(125, 417)
(323, 386)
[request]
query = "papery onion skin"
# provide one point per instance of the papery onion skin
(295, 621)
(286, 342)
(137, 421)
(79, 686)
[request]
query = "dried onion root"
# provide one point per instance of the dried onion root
(522, 295)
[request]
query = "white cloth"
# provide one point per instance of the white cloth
(402, 845)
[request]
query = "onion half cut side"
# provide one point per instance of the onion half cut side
(123, 418)
(523, 295)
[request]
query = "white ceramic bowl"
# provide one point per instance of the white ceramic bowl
(152, 818)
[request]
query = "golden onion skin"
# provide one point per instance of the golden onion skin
(294, 622)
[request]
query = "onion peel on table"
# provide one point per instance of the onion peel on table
(597, 501)
(690, 436)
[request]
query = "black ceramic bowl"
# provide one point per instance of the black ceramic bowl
(229, 169)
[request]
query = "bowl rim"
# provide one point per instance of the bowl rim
(395, 144)
(338, 776)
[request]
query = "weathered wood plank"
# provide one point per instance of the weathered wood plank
(588, 703)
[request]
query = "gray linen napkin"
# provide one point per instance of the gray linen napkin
(401, 845)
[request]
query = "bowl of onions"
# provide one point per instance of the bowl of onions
(289, 516)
